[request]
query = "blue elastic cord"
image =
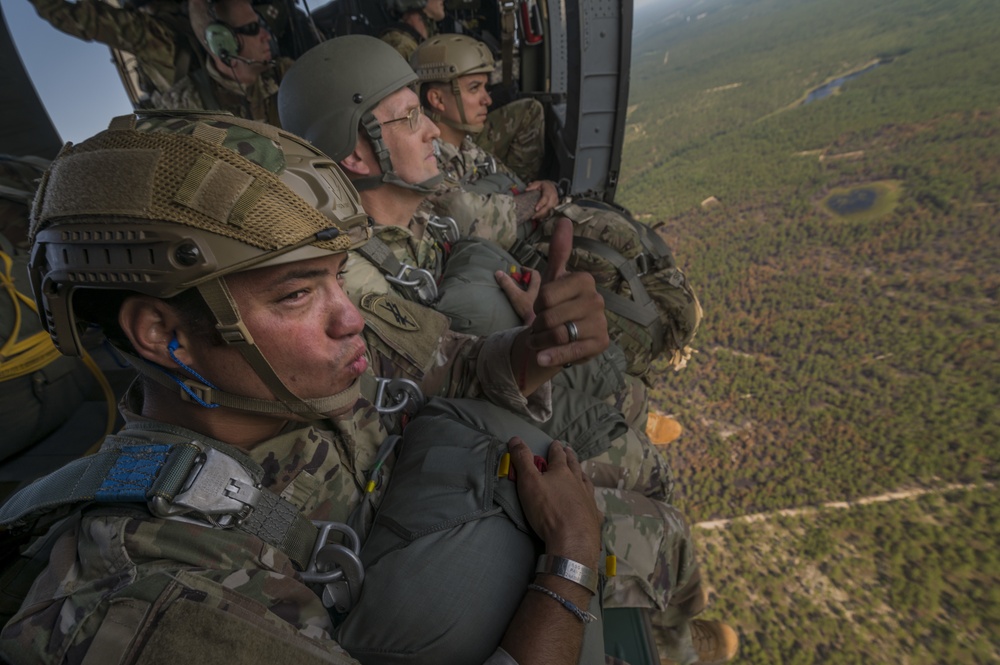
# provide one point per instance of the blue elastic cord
(171, 347)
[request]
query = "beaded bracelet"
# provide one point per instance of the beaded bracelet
(568, 570)
(584, 617)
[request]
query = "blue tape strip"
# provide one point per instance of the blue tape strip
(133, 473)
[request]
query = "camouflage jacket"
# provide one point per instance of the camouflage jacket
(258, 101)
(515, 134)
(490, 215)
(163, 44)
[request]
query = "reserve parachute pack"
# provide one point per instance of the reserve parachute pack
(651, 308)
(450, 554)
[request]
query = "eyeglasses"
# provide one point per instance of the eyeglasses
(250, 29)
(413, 117)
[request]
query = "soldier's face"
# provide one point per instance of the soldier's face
(411, 149)
(475, 100)
(257, 47)
(434, 10)
(304, 324)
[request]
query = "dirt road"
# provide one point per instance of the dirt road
(890, 496)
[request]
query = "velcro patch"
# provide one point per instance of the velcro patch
(213, 187)
(391, 311)
(412, 343)
(124, 186)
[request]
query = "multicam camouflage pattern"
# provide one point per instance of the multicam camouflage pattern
(469, 162)
(656, 567)
(401, 39)
(490, 216)
(158, 579)
(258, 101)
(176, 575)
(494, 216)
(163, 44)
(630, 463)
(515, 134)
(675, 302)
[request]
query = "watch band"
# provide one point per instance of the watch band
(569, 570)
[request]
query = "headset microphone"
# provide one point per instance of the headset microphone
(225, 56)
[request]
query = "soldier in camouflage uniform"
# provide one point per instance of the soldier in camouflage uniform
(164, 45)
(515, 131)
(389, 164)
(251, 358)
(241, 74)
(393, 174)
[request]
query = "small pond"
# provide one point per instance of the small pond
(828, 89)
(854, 201)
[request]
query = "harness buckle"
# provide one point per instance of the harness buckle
(395, 395)
(448, 227)
(337, 566)
(642, 264)
(418, 279)
(217, 490)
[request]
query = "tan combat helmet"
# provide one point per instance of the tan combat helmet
(445, 59)
(166, 202)
(329, 94)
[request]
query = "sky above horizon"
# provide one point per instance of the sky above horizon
(76, 80)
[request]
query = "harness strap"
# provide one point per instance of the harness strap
(204, 85)
(189, 480)
(417, 285)
(508, 26)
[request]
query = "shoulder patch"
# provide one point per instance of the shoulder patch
(392, 311)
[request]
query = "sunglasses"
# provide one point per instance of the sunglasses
(250, 29)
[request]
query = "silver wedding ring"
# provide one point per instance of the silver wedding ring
(574, 334)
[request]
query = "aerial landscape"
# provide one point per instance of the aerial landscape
(828, 174)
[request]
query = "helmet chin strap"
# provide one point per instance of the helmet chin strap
(211, 397)
(388, 176)
(460, 126)
(464, 125)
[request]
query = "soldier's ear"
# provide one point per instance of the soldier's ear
(435, 97)
(150, 325)
(355, 164)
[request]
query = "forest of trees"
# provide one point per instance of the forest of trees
(839, 356)
(901, 582)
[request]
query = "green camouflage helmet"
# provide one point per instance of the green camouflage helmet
(330, 93)
(165, 202)
(445, 59)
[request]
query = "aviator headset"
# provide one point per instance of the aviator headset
(223, 40)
